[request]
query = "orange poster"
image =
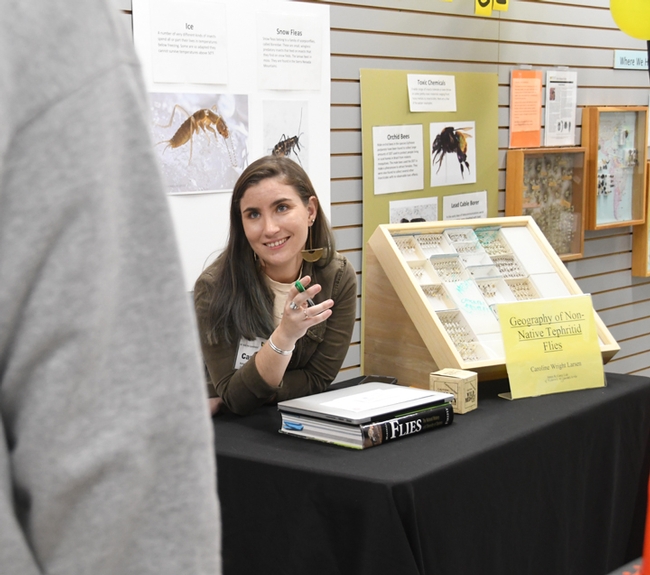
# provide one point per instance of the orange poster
(525, 109)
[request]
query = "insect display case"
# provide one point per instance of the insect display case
(616, 143)
(548, 184)
(431, 290)
(641, 240)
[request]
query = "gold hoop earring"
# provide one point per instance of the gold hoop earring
(312, 254)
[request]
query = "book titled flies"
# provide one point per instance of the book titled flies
(362, 436)
(368, 414)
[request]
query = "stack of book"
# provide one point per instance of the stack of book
(365, 415)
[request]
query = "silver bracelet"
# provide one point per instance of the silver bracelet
(276, 349)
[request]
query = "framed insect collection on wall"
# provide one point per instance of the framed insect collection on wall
(548, 184)
(616, 142)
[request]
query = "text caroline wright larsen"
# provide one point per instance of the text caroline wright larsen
(556, 366)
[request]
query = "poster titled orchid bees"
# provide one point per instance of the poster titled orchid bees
(452, 153)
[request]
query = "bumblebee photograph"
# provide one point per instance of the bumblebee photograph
(201, 140)
(453, 153)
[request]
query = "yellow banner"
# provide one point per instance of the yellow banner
(551, 346)
(501, 5)
(483, 7)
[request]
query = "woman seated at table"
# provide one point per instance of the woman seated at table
(263, 340)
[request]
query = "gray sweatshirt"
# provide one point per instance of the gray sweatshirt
(106, 455)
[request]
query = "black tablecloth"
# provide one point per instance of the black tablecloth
(549, 485)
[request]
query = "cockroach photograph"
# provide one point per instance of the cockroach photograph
(201, 139)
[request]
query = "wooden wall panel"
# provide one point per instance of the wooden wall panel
(432, 35)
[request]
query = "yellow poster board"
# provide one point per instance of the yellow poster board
(551, 346)
(385, 102)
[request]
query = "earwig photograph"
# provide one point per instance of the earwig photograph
(201, 139)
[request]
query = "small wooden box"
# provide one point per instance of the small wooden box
(459, 382)
(616, 142)
(430, 298)
(548, 184)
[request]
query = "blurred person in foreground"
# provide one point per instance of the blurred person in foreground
(106, 455)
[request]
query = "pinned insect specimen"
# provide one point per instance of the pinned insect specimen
(205, 120)
(451, 141)
(288, 145)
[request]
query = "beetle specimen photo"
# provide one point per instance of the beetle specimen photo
(453, 153)
(201, 139)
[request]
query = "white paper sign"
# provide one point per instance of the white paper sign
(188, 42)
(630, 60)
(560, 111)
(289, 50)
(465, 206)
(431, 93)
(398, 158)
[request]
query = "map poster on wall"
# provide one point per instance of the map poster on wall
(219, 101)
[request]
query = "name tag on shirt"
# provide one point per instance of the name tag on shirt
(247, 348)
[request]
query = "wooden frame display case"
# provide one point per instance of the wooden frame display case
(641, 241)
(431, 290)
(616, 142)
(548, 184)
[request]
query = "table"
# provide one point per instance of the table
(554, 484)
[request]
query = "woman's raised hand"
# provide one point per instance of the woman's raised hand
(300, 312)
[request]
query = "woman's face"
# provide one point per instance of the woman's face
(276, 224)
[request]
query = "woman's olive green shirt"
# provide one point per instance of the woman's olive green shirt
(316, 359)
